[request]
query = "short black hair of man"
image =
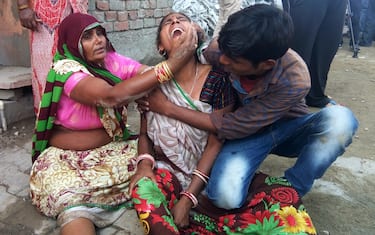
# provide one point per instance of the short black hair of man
(256, 33)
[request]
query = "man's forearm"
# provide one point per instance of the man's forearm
(210, 53)
(194, 118)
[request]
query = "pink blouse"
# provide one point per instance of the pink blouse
(77, 116)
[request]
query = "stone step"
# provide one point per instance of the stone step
(16, 100)
(12, 77)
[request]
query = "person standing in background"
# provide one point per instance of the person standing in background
(43, 17)
(355, 7)
(318, 28)
(364, 6)
(226, 8)
(368, 34)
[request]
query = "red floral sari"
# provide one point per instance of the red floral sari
(43, 42)
(273, 207)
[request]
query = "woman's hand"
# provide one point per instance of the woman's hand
(182, 49)
(185, 43)
(143, 170)
(29, 19)
(181, 211)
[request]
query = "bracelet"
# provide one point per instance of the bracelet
(191, 197)
(23, 7)
(162, 72)
(201, 175)
(146, 156)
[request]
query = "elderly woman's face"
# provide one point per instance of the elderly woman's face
(173, 26)
(94, 45)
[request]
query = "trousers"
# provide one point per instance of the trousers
(315, 140)
(318, 28)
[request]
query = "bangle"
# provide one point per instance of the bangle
(201, 175)
(23, 7)
(191, 197)
(146, 156)
(162, 72)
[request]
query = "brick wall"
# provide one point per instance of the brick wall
(131, 25)
(127, 15)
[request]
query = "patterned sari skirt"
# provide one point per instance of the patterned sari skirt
(273, 207)
(91, 184)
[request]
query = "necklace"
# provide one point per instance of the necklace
(195, 79)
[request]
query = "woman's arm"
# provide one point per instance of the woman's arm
(181, 210)
(202, 171)
(95, 91)
(205, 163)
(144, 167)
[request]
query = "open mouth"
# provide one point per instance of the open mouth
(176, 32)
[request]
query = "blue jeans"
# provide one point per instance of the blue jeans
(316, 140)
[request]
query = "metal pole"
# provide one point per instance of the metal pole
(354, 44)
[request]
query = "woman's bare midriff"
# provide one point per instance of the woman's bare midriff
(78, 139)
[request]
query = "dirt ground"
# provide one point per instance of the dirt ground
(342, 201)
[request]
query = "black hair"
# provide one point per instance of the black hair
(256, 33)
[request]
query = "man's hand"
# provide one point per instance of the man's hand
(155, 101)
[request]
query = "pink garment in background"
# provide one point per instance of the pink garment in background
(43, 42)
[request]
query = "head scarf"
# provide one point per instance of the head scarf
(71, 29)
(68, 49)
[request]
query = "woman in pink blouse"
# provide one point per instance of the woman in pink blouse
(82, 151)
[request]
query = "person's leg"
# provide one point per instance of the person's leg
(369, 30)
(226, 8)
(80, 226)
(41, 57)
(372, 20)
(355, 6)
(308, 16)
(362, 20)
(153, 202)
(325, 47)
(365, 41)
(317, 142)
(234, 169)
